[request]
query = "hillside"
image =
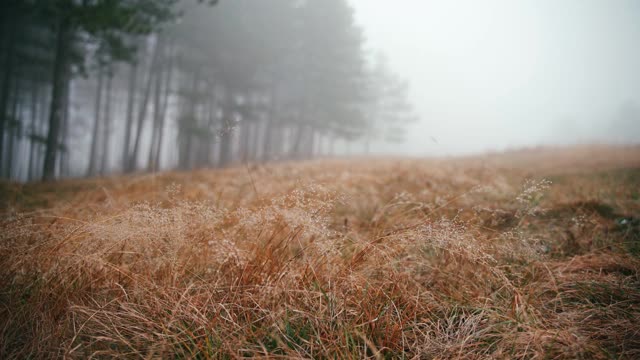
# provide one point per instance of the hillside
(527, 254)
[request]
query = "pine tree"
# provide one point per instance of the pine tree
(106, 21)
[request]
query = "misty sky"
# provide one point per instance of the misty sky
(490, 74)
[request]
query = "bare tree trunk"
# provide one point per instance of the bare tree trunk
(296, 149)
(32, 130)
(106, 130)
(255, 140)
(367, 141)
(61, 68)
(43, 118)
(277, 143)
(165, 105)
(143, 108)
(254, 129)
(317, 148)
(9, 36)
(245, 135)
(188, 124)
(64, 134)
(211, 117)
(259, 139)
(225, 140)
(131, 99)
(311, 138)
(228, 125)
(268, 138)
(332, 140)
(13, 129)
(156, 119)
(93, 154)
(203, 141)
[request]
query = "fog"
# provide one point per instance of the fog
(98, 88)
(496, 74)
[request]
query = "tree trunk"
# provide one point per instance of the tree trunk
(157, 95)
(13, 130)
(311, 139)
(131, 98)
(133, 158)
(245, 136)
(64, 134)
(165, 105)
(9, 35)
(268, 138)
(32, 130)
(277, 141)
(332, 140)
(296, 149)
(106, 129)
(42, 129)
(317, 149)
(228, 126)
(203, 140)
(93, 155)
(367, 144)
(225, 140)
(160, 104)
(255, 140)
(61, 65)
(188, 124)
(211, 116)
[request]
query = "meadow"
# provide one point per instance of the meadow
(530, 254)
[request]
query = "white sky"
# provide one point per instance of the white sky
(490, 74)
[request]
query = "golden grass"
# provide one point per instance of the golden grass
(530, 254)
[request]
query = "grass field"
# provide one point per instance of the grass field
(530, 254)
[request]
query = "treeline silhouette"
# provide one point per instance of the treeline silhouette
(93, 87)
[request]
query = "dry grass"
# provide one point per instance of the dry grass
(531, 254)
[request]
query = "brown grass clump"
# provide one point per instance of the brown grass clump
(519, 255)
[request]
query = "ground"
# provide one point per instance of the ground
(526, 254)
